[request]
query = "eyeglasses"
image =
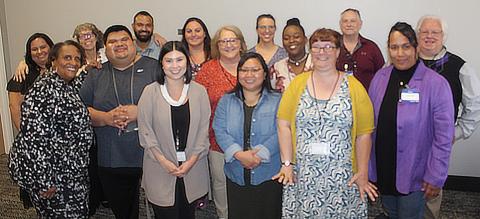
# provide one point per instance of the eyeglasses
(264, 27)
(327, 48)
(86, 36)
(251, 70)
(224, 42)
(434, 33)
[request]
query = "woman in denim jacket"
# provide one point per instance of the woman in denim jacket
(245, 128)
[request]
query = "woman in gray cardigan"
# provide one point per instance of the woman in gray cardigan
(173, 119)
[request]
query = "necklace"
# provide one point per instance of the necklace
(170, 100)
(330, 97)
(297, 62)
(115, 84)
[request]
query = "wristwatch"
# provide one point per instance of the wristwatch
(286, 163)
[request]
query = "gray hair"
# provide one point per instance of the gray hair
(435, 18)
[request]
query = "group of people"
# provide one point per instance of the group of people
(271, 131)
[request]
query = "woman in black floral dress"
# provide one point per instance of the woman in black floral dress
(49, 157)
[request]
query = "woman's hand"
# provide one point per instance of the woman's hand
(169, 166)
(430, 190)
(285, 176)
(185, 167)
(364, 186)
(21, 71)
(49, 193)
(248, 159)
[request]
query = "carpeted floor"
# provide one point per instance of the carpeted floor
(456, 204)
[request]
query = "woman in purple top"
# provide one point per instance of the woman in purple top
(414, 128)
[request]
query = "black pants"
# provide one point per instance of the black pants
(96, 192)
(121, 188)
(250, 201)
(181, 209)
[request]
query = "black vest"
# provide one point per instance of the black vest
(449, 67)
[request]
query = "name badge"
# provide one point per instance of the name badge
(410, 95)
(140, 70)
(319, 148)
(181, 156)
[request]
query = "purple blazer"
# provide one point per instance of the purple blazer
(425, 130)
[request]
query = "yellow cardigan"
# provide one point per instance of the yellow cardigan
(362, 109)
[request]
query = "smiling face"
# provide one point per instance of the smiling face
(350, 23)
(251, 75)
(87, 39)
(294, 40)
(119, 48)
(324, 55)
(39, 50)
(194, 34)
(143, 28)
(430, 37)
(174, 65)
(402, 54)
(266, 29)
(229, 45)
(68, 62)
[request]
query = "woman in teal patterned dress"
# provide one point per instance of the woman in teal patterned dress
(325, 121)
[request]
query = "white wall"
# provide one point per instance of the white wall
(59, 17)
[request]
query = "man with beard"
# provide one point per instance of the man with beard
(111, 94)
(143, 28)
(463, 81)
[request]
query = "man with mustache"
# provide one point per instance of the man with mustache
(358, 55)
(143, 28)
(111, 94)
(463, 81)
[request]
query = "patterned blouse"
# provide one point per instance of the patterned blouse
(217, 81)
(55, 135)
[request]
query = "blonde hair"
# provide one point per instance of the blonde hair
(216, 38)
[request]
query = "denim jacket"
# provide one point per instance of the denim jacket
(228, 126)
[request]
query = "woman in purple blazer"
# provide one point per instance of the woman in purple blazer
(414, 128)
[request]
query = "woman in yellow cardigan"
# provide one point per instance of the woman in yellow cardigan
(325, 121)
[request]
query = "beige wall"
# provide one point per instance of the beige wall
(59, 17)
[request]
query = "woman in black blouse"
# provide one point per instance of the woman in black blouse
(49, 157)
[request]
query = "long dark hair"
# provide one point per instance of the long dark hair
(206, 42)
(238, 90)
(28, 52)
(174, 46)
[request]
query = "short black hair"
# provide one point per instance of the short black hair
(406, 30)
(206, 42)
(238, 89)
(28, 51)
(116, 28)
(55, 51)
(294, 22)
(144, 13)
(174, 46)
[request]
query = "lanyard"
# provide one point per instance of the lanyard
(115, 84)
(330, 97)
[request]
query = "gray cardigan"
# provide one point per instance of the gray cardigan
(155, 130)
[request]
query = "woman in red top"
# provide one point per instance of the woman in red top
(219, 76)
